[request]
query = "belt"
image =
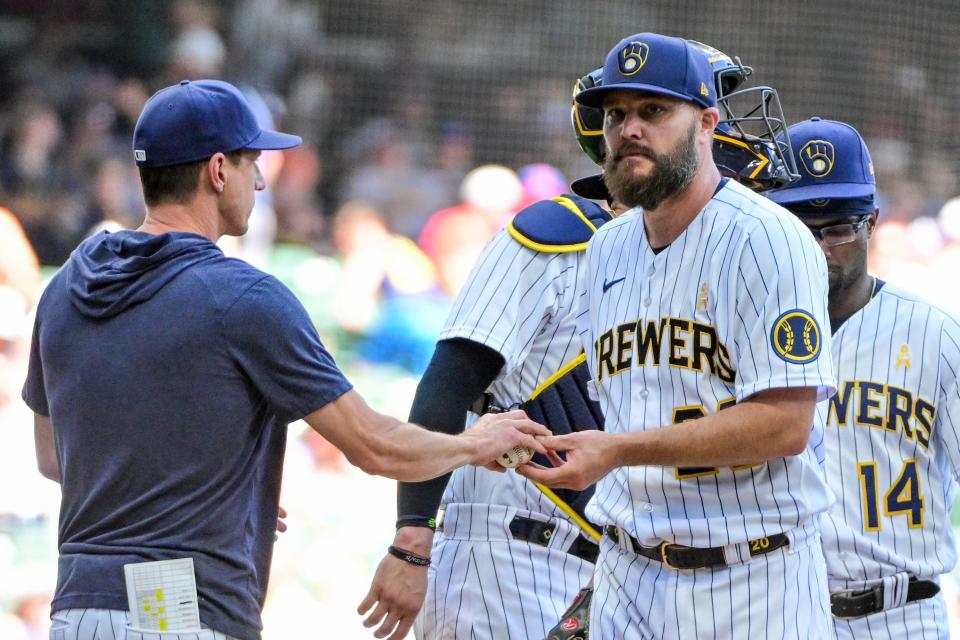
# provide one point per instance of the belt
(537, 532)
(677, 556)
(854, 604)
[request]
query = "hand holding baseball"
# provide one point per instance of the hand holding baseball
(590, 455)
(497, 433)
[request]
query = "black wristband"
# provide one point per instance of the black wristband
(406, 556)
(417, 521)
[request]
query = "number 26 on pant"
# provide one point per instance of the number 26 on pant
(903, 497)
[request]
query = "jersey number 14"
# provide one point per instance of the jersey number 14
(903, 496)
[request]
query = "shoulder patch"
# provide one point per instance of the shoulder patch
(796, 337)
(559, 225)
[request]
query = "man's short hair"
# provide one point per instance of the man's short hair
(176, 183)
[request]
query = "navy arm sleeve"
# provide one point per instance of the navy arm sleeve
(458, 373)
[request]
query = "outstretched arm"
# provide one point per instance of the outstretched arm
(381, 445)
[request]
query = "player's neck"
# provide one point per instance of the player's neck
(843, 304)
(665, 223)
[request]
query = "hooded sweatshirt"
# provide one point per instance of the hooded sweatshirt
(170, 373)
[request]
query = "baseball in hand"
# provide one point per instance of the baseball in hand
(515, 457)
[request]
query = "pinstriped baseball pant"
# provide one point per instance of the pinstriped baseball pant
(484, 585)
(111, 624)
(779, 595)
(920, 620)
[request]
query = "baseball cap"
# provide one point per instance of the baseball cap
(657, 64)
(591, 187)
(833, 162)
(193, 120)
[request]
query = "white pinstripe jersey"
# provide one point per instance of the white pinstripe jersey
(892, 443)
(520, 303)
(735, 305)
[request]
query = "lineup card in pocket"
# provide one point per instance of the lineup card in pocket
(162, 595)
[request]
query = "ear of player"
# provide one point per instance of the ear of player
(750, 143)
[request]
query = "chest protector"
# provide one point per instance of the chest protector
(563, 224)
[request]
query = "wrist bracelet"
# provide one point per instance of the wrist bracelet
(417, 521)
(406, 556)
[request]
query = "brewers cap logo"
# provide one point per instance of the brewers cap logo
(817, 157)
(632, 57)
(796, 337)
(704, 91)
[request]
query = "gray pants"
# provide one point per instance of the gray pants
(111, 624)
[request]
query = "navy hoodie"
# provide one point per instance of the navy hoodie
(170, 373)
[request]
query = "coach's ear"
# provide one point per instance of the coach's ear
(214, 173)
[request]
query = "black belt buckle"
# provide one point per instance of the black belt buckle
(687, 558)
(665, 549)
(848, 604)
(665, 555)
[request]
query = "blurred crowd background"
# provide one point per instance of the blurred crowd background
(427, 124)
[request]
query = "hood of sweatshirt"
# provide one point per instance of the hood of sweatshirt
(111, 272)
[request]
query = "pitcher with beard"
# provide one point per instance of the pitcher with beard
(703, 297)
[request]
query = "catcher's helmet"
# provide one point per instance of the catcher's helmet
(588, 127)
(588, 121)
(750, 142)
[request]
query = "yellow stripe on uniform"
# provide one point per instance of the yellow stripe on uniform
(567, 509)
(553, 497)
(564, 370)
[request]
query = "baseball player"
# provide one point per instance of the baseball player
(892, 445)
(704, 305)
(760, 161)
(507, 558)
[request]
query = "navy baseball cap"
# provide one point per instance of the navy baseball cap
(833, 162)
(192, 121)
(657, 64)
(591, 187)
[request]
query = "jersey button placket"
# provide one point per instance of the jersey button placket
(651, 271)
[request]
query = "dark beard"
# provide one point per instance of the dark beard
(671, 172)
